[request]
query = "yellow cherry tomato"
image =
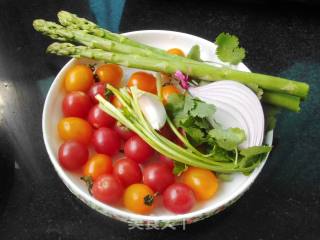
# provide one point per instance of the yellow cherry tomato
(176, 51)
(78, 78)
(97, 165)
(167, 91)
(110, 73)
(73, 128)
(203, 182)
(139, 198)
(144, 81)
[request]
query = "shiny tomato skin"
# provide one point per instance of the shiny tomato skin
(73, 155)
(144, 81)
(76, 104)
(167, 161)
(178, 198)
(110, 73)
(106, 141)
(167, 91)
(124, 132)
(137, 149)
(97, 165)
(99, 118)
(134, 198)
(115, 101)
(97, 88)
(127, 171)
(107, 189)
(73, 128)
(176, 51)
(203, 182)
(78, 78)
(158, 176)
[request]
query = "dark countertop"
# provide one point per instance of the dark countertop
(283, 203)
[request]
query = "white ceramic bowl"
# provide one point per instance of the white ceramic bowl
(228, 192)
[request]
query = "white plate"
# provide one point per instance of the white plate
(228, 192)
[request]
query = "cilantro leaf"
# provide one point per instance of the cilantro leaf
(202, 110)
(196, 135)
(255, 150)
(253, 155)
(228, 139)
(194, 53)
(228, 49)
(179, 168)
(189, 104)
(175, 103)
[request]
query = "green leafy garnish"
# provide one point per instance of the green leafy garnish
(228, 49)
(254, 155)
(179, 168)
(191, 114)
(194, 53)
(228, 139)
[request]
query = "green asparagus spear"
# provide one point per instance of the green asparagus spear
(199, 71)
(282, 100)
(73, 21)
(58, 32)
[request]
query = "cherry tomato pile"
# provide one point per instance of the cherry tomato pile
(92, 139)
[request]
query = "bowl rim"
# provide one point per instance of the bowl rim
(114, 211)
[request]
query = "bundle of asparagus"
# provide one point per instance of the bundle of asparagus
(102, 45)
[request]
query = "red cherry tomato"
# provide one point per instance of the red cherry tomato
(107, 189)
(137, 149)
(127, 171)
(124, 132)
(106, 141)
(167, 161)
(178, 198)
(73, 155)
(157, 176)
(99, 118)
(97, 88)
(76, 104)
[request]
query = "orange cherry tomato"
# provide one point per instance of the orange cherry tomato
(203, 182)
(144, 81)
(115, 101)
(78, 78)
(176, 51)
(139, 198)
(110, 73)
(73, 128)
(97, 165)
(167, 91)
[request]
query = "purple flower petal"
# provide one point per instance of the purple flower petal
(183, 79)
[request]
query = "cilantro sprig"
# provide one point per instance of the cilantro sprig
(228, 49)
